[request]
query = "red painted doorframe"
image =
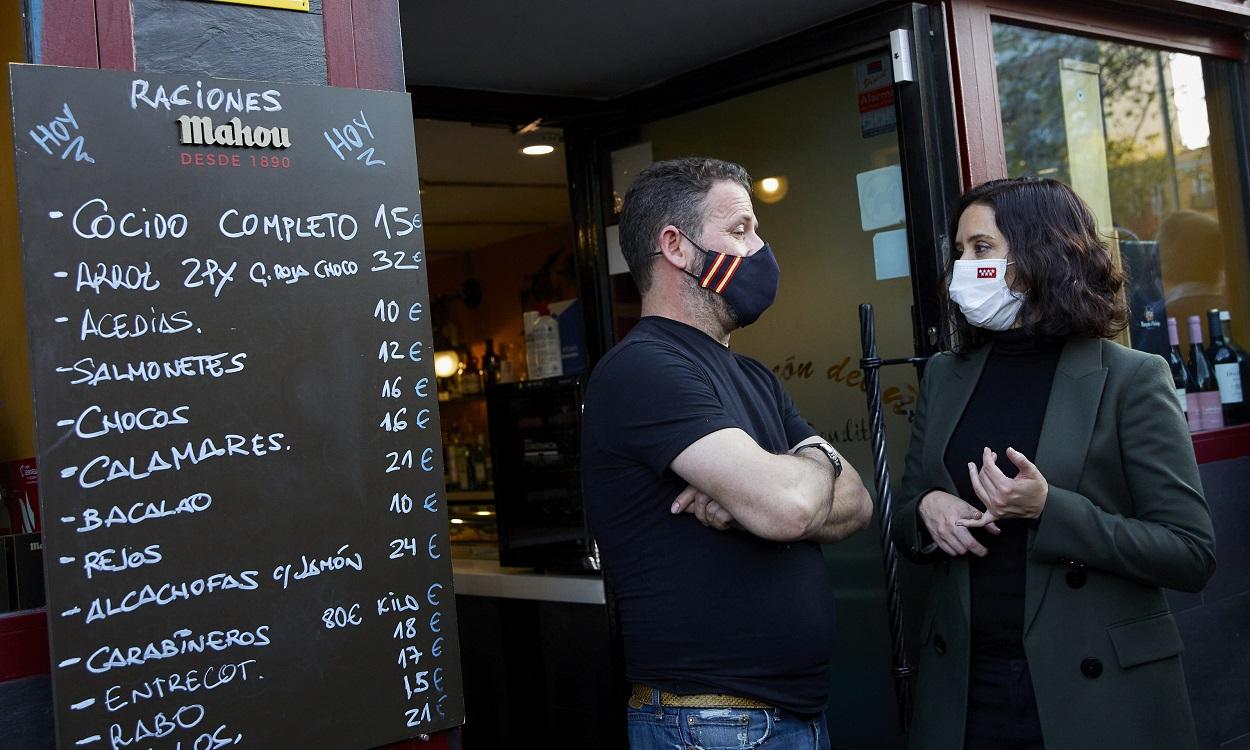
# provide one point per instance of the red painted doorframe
(362, 37)
(982, 155)
(363, 47)
(363, 50)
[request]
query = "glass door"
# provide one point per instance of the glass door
(851, 194)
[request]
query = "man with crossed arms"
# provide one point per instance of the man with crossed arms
(708, 493)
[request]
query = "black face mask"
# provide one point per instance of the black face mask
(747, 282)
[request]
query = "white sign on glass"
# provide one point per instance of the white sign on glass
(889, 255)
(881, 197)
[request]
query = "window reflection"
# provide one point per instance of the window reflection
(1144, 136)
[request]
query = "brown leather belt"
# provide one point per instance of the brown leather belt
(642, 696)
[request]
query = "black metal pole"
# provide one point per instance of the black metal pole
(871, 365)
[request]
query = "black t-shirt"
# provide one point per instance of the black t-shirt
(702, 611)
(1018, 372)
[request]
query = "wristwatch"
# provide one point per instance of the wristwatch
(829, 452)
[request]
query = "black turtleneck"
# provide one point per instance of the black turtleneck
(1006, 409)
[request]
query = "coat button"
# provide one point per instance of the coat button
(939, 644)
(1091, 667)
(1076, 578)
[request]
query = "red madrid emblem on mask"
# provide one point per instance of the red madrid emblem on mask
(989, 272)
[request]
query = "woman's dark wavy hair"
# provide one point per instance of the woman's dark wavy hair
(1072, 288)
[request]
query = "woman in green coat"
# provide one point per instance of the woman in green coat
(1051, 482)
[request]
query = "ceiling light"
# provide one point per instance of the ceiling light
(446, 363)
(537, 143)
(772, 189)
(531, 127)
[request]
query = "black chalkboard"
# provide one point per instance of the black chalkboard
(236, 421)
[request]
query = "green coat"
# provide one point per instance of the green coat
(1124, 519)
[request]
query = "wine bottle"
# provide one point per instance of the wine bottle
(1228, 364)
(472, 465)
(481, 463)
(1180, 376)
(451, 458)
(471, 378)
(490, 363)
(1203, 388)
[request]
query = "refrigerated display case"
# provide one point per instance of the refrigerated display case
(535, 430)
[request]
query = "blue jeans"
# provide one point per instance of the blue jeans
(655, 727)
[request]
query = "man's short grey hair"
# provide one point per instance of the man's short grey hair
(669, 192)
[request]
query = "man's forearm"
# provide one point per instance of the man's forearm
(778, 497)
(850, 508)
(847, 507)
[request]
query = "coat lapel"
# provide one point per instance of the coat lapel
(947, 409)
(944, 415)
(1064, 442)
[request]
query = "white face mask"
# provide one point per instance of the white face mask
(980, 289)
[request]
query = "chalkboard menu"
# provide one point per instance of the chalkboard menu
(237, 427)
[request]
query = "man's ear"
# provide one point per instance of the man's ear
(671, 248)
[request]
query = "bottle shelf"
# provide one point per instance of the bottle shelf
(1223, 444)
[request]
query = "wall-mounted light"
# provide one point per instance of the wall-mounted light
(772, 189)
(446, 363)
(537, 143)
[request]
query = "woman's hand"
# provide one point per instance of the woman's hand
(943, 514)
(1021, 497)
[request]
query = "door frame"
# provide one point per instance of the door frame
(926, 130)
(976, 79)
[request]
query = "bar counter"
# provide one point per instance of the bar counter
(488, 578)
